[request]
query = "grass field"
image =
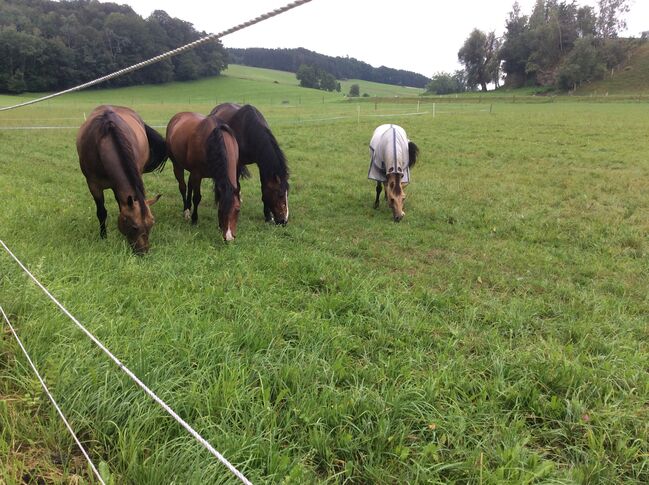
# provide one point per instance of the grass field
(497, 335)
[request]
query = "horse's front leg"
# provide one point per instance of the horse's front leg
(98, 196)
(379, 186)
(179, 172)
(195, 185)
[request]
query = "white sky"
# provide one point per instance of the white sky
(417, 35)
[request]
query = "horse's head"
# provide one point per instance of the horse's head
(274, 194)
(395, 194)
(229, 215)
(135, 222)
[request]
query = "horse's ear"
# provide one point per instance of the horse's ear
(150, 202)
(129, 201)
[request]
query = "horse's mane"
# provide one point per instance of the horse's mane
(110, 124)
(262, 142)
(217, 160)
(157, 150)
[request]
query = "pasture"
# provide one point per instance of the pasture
(498, 334)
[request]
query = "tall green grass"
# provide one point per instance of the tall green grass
(497, 335)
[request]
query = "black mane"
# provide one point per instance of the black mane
(217, 160)
(109, 123)
(258, 141)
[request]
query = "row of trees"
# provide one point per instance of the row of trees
(340, 67)
(47, 45)
(560, 44)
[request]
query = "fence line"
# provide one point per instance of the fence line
(280, 121)
(171, 53)
(49, 395)
(129, 373)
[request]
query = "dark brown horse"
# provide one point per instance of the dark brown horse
(114, 147)
(206, 147)
(257, 144)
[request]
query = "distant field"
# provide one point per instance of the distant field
(497, 335)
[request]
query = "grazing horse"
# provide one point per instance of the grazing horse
(206, 147)
(392, 156)
(114, 147)
(257, 144)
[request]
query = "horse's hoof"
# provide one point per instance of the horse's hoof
(187, 214)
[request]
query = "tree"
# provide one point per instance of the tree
(476, 54)
(317, 78)
(515, 49)
(447, 83)
(354, 91)
(307, 76)
(583, 64)
(609, 20)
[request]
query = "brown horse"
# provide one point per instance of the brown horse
(206, 147)
(114, 146)
(257, 144)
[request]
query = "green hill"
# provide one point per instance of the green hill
(288, 78)
(631, 78)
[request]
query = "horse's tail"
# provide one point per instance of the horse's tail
(110, 124)
(157, 150)
(217, 161)
(413, 153)
(269, 156)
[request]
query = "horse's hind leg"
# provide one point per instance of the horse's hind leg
(195, 185)
(98, 195)
(179, 172)
(379, 186)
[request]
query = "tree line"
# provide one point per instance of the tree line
(559, 45)
(339, 67)
(47, 45)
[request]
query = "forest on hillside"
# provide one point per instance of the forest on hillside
(47, 45)
(340, 67)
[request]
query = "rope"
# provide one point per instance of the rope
(47, 391)
(129, 373)
(171, 53)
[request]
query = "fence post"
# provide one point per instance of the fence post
(433, 110)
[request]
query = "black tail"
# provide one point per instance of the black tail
(217, 160)
(413, 153)
(157, 150)
(110, 124)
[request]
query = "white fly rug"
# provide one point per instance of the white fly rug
(389, 153)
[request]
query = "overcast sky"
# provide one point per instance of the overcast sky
(417, 35)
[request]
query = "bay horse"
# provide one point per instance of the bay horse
(257, 144)
(392, 155)
(206, 146)
(114, 147)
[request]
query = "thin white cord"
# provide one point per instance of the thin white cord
(49, 394)
(128, 372)
(191, 45)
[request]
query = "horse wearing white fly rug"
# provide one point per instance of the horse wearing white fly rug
(392, 156)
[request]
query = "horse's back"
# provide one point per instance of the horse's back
(225, 111)
(94, 133)
(389, 152)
